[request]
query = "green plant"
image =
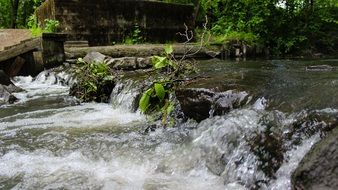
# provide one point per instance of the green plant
(135, 37)
(157, 97)
(51, 25)
(35, 27)
(92, 78)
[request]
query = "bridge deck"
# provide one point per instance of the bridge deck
(14, 42)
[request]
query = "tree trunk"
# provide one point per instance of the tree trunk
(197, 8)
(15, 7)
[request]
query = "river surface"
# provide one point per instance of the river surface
(48, 140)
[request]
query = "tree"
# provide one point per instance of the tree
(15, 7)
(15, 13)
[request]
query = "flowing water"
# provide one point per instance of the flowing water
(48, 140)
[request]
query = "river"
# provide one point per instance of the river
(48, 140)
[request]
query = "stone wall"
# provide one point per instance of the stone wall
(103, 22)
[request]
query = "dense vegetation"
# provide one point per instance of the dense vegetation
(16, 13)
(280, 26)
(283, 26)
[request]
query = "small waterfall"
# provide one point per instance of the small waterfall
(257, 148)
(125, 95)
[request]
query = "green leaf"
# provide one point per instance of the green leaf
(145, 100)
(159, 62)
(80, 61)
(168, 49)
(160, 92)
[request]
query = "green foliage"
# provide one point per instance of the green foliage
(92, 77)
(168, 49)
(34, 26)
(5, 16)
(156, 98)
(135, 37)
(284, 27)
(159, 62)
(160, 91)
(51, 26)
(145, 100)
(24, 10)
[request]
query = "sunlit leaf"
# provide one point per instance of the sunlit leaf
(159, 62)
(160, 92)
(168, 49)
(145, 100)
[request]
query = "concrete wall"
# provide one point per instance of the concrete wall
(102, 22)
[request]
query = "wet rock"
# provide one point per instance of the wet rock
(6, 96)
(4, 78)
(310, 123)
(320, 68)
(227, 101)
(199, 103)
(94, 57)
(319, 168)
(13, 89)
(268, 147)
(195, 103)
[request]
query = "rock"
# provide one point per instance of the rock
(13, 89)
(320, 68)
(6, 96)
(319, 168)
(213, 54)
(4, 78)
(227, 101)
(95, 57)
(199, 103)
(143, 63)
(124, 63)
(195, 103)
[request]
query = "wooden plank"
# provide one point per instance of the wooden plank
(21, 48)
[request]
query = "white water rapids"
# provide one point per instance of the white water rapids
(50, 141)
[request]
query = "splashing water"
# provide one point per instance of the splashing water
(50, 141)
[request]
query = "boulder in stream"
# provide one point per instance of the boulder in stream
(7, 88)
(199, 103)
(95, 57)
(6, 95)
(319, 168)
